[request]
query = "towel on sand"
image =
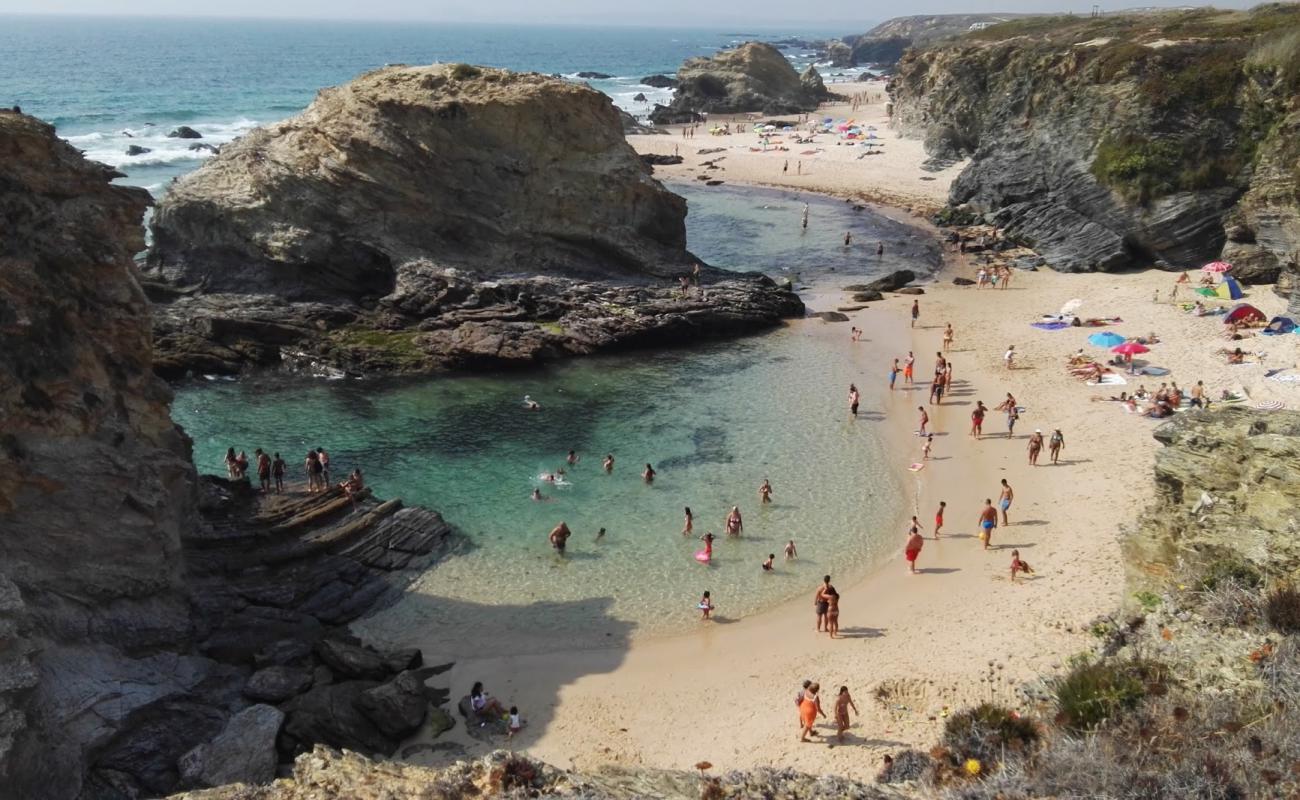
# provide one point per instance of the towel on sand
(1109, 379)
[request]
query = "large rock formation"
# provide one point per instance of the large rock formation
(1121, 141)
(885, 44)
(752, 77)
(135, 599)
(1248, 462)
(441, 216)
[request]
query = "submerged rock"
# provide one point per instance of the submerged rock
(752, 77)
(184, 132)
(137, 150)
(427, 218)
(659, 81)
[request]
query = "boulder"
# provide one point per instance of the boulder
(752, 77)
(244, 751)
(184, 132)
(659, 81)
(890, 283)
(439, 722)
(830, 316)
(963, 281)
(332, 715)
(656, 159)
(277, 683)
(639, 97)
(283, 652)
(911, 290)
(137, 150)
(352, 661)
(867, 297)
(200, 146)
(398, 708)
(407, 658)
(595, 76)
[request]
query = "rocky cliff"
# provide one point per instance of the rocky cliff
(421, 218)
(1123, 140)
(751, 77)
(140, 607)
(885, 44)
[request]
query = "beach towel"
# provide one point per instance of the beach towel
(1049, 326)
(1270, 405)
(1154, 371)
(1284, 378)
(1109, 379)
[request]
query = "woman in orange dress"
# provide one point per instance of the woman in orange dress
(809, 708)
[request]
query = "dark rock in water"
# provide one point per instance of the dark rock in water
(184, 132)
(890, 283)
(398, 708)
(830, 316)
(639, 97)
(137, 150)
(659, 81)
(308, 245)
(244, 751)
(867, 297)
(656, 159)
(595, 76)
(351, 661)
(198, 146)
(752, 77)
(963, 282)
(911, 290)
(277, 684)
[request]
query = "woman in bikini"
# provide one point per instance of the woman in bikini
(1055, 444)
(689, 527)
(832, 612)
(765, 491)
(843, 702)
(735, 525)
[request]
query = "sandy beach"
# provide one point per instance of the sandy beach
(893, 176)
(912, 646)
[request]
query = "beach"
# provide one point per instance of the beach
(913, 647)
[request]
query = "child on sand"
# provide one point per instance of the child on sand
(516, 724)
(938, 518)
(790, 552)
(925, 447)
(1019, 566)
(843, 702)
(705, 606)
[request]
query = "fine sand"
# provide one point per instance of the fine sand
(913, 646)
(893, 175)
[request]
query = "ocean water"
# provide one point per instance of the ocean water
(108, 83)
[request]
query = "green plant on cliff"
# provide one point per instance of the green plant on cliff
(989, 733)
(397, 349)
(464, 72)
(1093, 692)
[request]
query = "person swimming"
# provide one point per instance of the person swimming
(770, 563)
(531, 404)
(609, 462)
(649, 474)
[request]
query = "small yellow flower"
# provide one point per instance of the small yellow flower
(973, 766)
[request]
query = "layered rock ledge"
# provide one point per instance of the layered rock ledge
(424, 218)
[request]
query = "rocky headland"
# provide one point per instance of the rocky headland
(427, 218)
(1124, 140)
(752, 77)
(884, 45)
(159, 630)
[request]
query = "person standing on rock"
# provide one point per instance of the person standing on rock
(324, 459)
(263, 470)
(277, 472)
(312, 466)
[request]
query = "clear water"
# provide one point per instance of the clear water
(714, 421)
(99, 79)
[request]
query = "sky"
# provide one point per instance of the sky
(664, 13)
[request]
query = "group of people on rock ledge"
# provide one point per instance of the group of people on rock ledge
(271, 470)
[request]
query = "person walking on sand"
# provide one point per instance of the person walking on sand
(810, 707)
(1035, 446)
(1056, 444)
(915, 541)
(926, 445)
(947, 337)
(987, 522)
(843, 702)
(977, 419)
(1004, 500)
(785, 168)
(893, 375)
(925, 420)
(916, 311)
(938, 518)
(689, 527)
(1013, 415)
(907, 367)
(1017, 565)
(1010, 356)
(765, 491)
(790, 552)
(798, 703)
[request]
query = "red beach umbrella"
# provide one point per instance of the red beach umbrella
(1130, 349)
(1216, 266)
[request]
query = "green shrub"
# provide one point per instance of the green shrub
(989, 733)
(464, 72)
(1095, 691)
(1282, 608)
(1230, 568)
(1149, 601)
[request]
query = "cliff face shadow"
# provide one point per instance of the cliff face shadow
(524, 654)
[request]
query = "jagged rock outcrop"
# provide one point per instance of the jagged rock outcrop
(425, 218)
(659, 82)
(752, 77)
(1248, 462)
(1121, 141)
(135, 599)
(329, 773)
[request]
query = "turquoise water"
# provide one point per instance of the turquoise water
(714, 421)
(108, 83)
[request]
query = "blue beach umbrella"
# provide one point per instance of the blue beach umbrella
(1106, 339)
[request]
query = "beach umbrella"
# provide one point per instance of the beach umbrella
(1106, 339)
(1130, 349)
(1244, 312)
(1070, 307)
(1216, 266)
